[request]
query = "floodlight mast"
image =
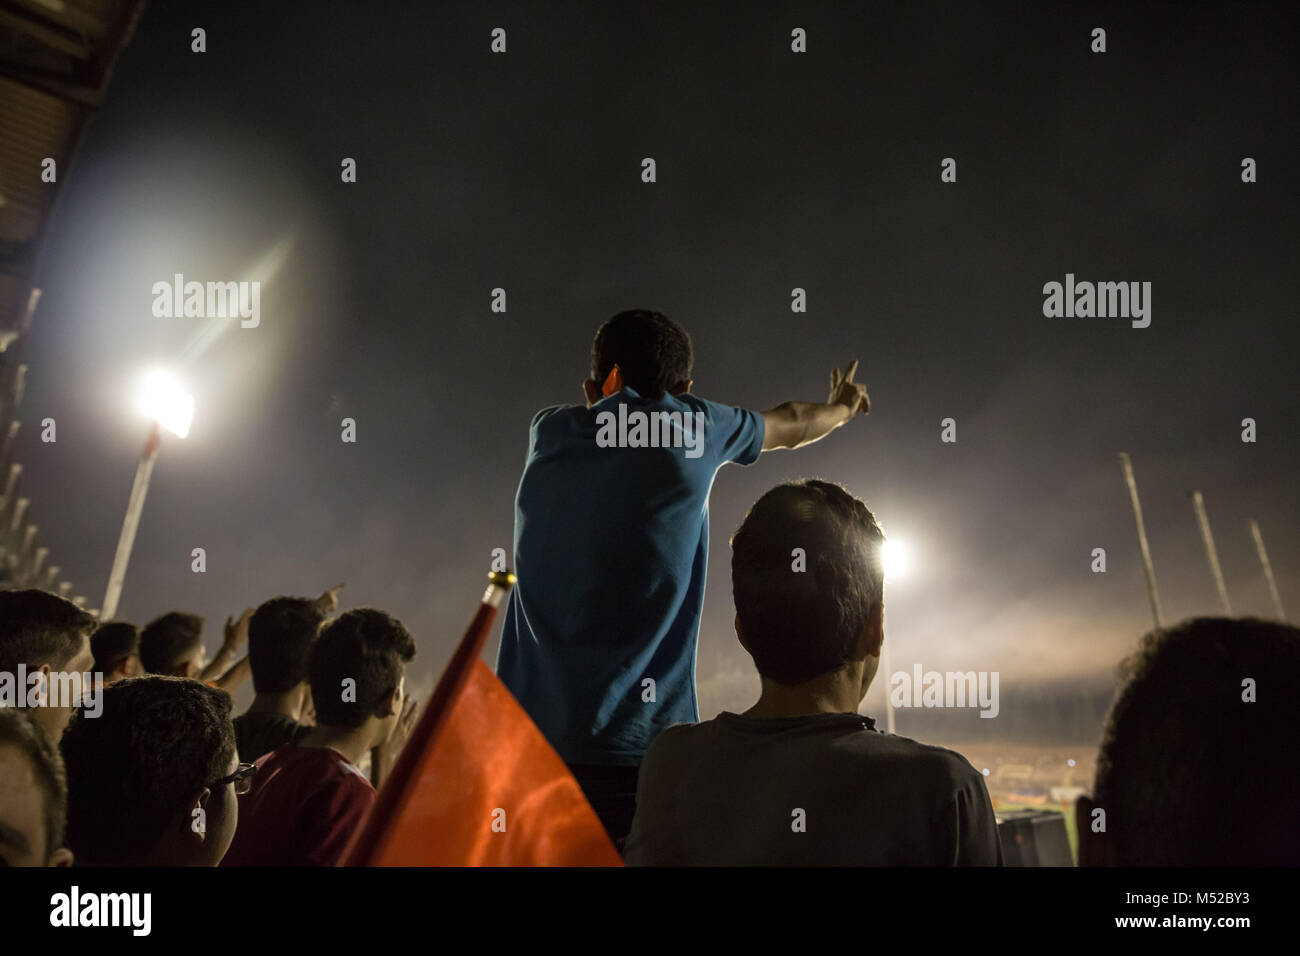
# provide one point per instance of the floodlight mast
(134, 505)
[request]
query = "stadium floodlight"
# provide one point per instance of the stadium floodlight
(165, 400)
(894, 558)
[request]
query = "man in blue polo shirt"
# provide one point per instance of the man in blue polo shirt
(611, 546)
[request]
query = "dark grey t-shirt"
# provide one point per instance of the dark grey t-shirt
(825, 789)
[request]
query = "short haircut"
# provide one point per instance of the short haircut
(1188, 772)
(652, 351)
(167, 639)
(37, 627)
(367, 646)
(797, 624)
(280, 636)
(19, 730)
(113, 643)
(131, 770)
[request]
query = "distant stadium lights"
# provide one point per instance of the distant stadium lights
(894, 557)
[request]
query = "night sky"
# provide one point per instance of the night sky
(775, 171)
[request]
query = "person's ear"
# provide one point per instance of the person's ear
(1094, 848)
(392, 704)
(60, 857)
(45, 682)
(682, 388)
(199, 802)
(591, 390)
(875, 632)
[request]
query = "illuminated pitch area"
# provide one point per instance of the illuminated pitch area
(1024, 776)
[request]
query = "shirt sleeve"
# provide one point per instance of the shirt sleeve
(974, 828)
(733, 434)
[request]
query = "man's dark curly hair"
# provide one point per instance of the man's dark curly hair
(167, 639)
(19, 730)
(798, 625)
(280, 636)
(1188, 772)
(157, 742)
(651, 350)
(364, 645)
(37, 627)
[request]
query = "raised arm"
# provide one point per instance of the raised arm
(236, 637)
(795, 424)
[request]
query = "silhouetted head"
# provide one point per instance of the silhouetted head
(808, 582)
(653, 354)
(172, 645)
(357, 671)
(147, 778)
(1197, 765)
(46, 634)
(280, 636)
(116, 647)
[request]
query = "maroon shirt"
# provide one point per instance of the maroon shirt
(302, 810)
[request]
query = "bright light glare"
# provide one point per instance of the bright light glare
(164, 400)
(894, 557)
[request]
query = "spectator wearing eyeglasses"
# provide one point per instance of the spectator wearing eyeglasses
(152, 781)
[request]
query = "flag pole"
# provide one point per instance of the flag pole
(1157, 612)
(1268, 569)
(1211, 553)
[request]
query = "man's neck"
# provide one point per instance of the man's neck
(287, 703)
(837, 693)
(351, 742)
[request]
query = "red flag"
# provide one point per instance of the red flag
(477, 784)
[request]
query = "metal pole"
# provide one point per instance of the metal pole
(1157, 612)
(1211, 553)
(134, 505)
(1268, 569)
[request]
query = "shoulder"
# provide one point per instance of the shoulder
(549, 412)
(932, 764)
(674, 741)
(713, 411)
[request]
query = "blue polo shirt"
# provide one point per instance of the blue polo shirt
(611, 548)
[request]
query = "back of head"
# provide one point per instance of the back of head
(799, 624)
(169, 639)
(652, 351)
(37, 627)
(19, 731)
(280, 636)
(157, 743)
(366, 646)
(112, 643)
(1190, 772)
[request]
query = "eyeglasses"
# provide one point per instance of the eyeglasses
(241, 778)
